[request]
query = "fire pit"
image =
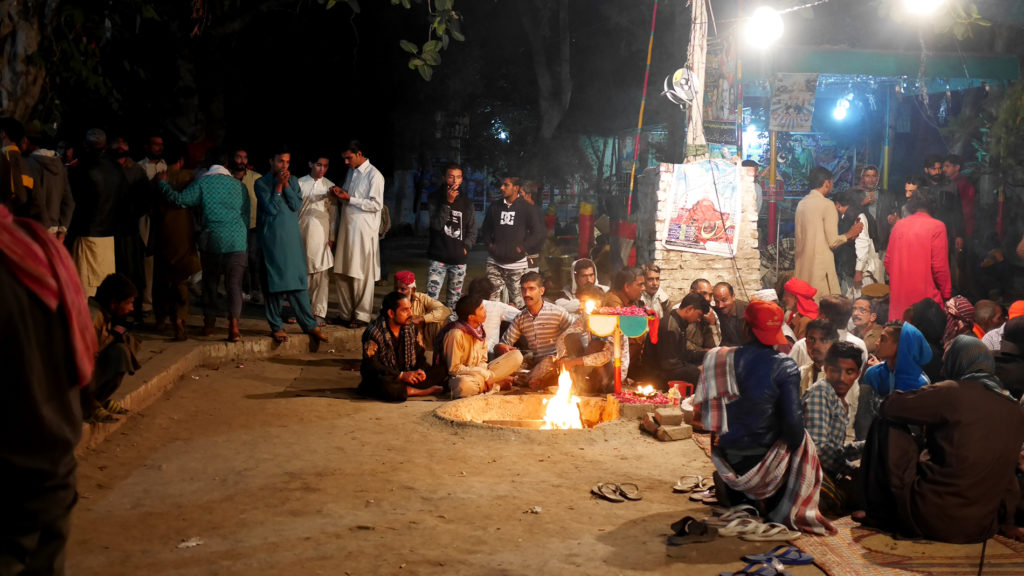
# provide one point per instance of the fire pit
(559, 411)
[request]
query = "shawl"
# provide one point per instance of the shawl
(716, 388)
(969, 359)
(45, 268)
(959, 318)
(397, 354)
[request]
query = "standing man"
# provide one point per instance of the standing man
(946, 207)
(452, 235)
(318, 227)
(867, 193)
(98, 182)
(965, 191)
(917, 259)
(511, 232)
(51, 204)
(653, 296)
(357, 251)
(252, 284)
(154, 162)
(224, 205)
(278, 196)
(817, 225)
(529, 194)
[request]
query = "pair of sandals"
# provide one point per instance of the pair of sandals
(613, 492)
(773, 562)
(699, 488)
(281, 336)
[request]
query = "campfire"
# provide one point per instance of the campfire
(563, 409)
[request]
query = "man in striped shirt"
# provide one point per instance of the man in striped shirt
(540, 323)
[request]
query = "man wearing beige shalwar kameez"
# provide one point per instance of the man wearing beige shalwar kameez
(817, 235)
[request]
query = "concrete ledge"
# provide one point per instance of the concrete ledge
(164, 362)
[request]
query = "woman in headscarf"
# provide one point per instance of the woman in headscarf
(959, 319)
(965, 489)
(799, 305)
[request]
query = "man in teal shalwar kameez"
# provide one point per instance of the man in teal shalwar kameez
(279, 201)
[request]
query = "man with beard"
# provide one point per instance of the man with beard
(946, 207)
(251, 286)
(394, 365)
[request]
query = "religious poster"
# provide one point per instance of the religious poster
(720, 90)
(705, 205)
(792, 102)
(797, 154)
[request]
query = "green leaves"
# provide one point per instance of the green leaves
(409, 47)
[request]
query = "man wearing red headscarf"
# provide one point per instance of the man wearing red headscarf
(798, 300)
(49, 351)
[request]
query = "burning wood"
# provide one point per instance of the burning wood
(563, 412)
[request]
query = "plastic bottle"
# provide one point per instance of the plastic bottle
(674, 396)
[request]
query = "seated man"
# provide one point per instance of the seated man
(677, 356)
(586, 356)
(820, 336)
(114, 301)
(584, 273)
(464, 352)
(800, 306)
(428, 315)
(965, 489)
(762, 453)
(708, 329)
(994, 337)
(497, 311)
(1010, 357)
(865, 323)
(987, 317)
(653, 296)
(541, 323)
(826, 417)
(394, 364)
(627, 286)
(730, 314)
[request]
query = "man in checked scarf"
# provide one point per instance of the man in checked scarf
(394, 364)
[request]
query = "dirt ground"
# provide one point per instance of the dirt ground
(280, 469)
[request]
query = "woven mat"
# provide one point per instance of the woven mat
(857, 551)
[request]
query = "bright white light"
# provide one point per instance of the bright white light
(842, 107)
(764, 27)
(751, 131)
(502, 135)
(923, 7)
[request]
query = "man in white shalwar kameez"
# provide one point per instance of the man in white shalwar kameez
(317, 224)
(357, 252)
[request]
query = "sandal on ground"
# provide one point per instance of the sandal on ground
(691, 531)
(630, 491)
(280, 337)
(691, 483)
(356, 324)
(608, 491)
(734, 513)
(783, 553)
(317, 334)
(740, 526)
(774, 568)
(771, 532)
(114, 407)
(700, 496)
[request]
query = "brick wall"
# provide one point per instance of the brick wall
(679, 269)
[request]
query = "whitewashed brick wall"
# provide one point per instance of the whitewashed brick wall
(679, 269)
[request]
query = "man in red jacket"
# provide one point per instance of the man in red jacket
(917, 259)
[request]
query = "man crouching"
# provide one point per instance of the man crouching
(394, 364)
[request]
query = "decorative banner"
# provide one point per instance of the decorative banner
(792, 102)
(705, 208)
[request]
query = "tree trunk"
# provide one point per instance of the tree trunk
(540, 27)
(696, 145)
(21, 80)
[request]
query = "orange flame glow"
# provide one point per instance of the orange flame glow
(563, 411)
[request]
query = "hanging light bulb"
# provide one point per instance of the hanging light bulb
(764, 27)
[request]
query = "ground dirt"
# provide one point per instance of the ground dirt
(280, 469)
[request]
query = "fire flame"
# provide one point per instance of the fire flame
(590, 305)
(645, 390)
(563, 411)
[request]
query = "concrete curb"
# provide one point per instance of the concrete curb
(161, 372)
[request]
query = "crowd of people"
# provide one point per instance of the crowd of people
(866, 368)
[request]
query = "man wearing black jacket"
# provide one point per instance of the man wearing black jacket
(452, 234)
(511, 231)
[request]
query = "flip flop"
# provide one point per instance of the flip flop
(699, 496)
(689, 483)
(608, 491)
(692, 532)
(783, 553)
(280, 337)
(630, 491)
(739, 527)
(759, 569)
(734, 513)
(771, 532)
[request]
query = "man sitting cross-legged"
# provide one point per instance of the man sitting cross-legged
(826, 417)
(463, 347)
(749, 398)
(394, 364)
(541, 323)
